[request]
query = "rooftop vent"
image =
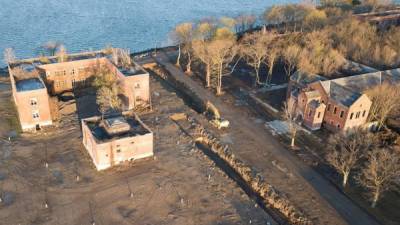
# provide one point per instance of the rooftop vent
(116, 125)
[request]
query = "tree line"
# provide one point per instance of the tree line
(315, 40)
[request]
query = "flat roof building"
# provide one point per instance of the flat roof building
(117, 139)
(32, 101)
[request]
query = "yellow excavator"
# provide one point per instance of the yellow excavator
(215, 117)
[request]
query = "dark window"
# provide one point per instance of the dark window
(33, 102)
(118, 150)
(334, 110)
(309, 113)
(357, 115)
(319, 114)
(338, 126)
(351, 115)
(364, 113)
(341, 114)
(35, 115)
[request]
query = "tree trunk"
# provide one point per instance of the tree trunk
(179, 55)
(257, 80)
(345, 178)
(189, 64)
(208, 76)
(376, 198)
(219, 82)
(293, 138)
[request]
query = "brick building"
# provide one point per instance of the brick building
(49, 77)
(31, 99)
(337, 104)
(117, 139)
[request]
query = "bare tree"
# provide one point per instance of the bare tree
(108, 88)
(253, 48)
(346, 149)
(51, 47)
(103, 75)
(204, 31)
(273, 55)
(203, 35)
(121, 57)
(222, 51)
(289, 14)
(228, 22)
(318, 56)
(380, 173)
(108, 99)
(201, 50)
(315, 19)
(291, 57)
(61, 54)
(274, 15)
(292, 119)
(9, 56)
(385, 101)
(244, 22)
(183, 36)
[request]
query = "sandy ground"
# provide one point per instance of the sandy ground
(178, 186)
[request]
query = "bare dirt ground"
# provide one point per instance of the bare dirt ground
(179, 186)
(251, 142)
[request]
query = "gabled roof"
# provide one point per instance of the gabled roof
(342, 95)
(347, 90)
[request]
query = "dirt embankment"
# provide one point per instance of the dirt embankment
(282, 209)
(270, 196)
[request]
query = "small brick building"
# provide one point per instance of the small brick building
(34, 80)
(337, 104)
(117, 139)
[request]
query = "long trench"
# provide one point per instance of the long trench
(235, 176)
(194, 102)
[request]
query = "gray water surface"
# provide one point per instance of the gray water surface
(92, 24)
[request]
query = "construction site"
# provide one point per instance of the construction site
(208, 160)
(49, 179)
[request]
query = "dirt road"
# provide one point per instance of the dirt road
(311, 192)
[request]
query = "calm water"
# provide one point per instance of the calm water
(92, 24)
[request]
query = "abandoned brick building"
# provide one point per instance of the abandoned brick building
(337, 104)
(114, 140)
(33, 80)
